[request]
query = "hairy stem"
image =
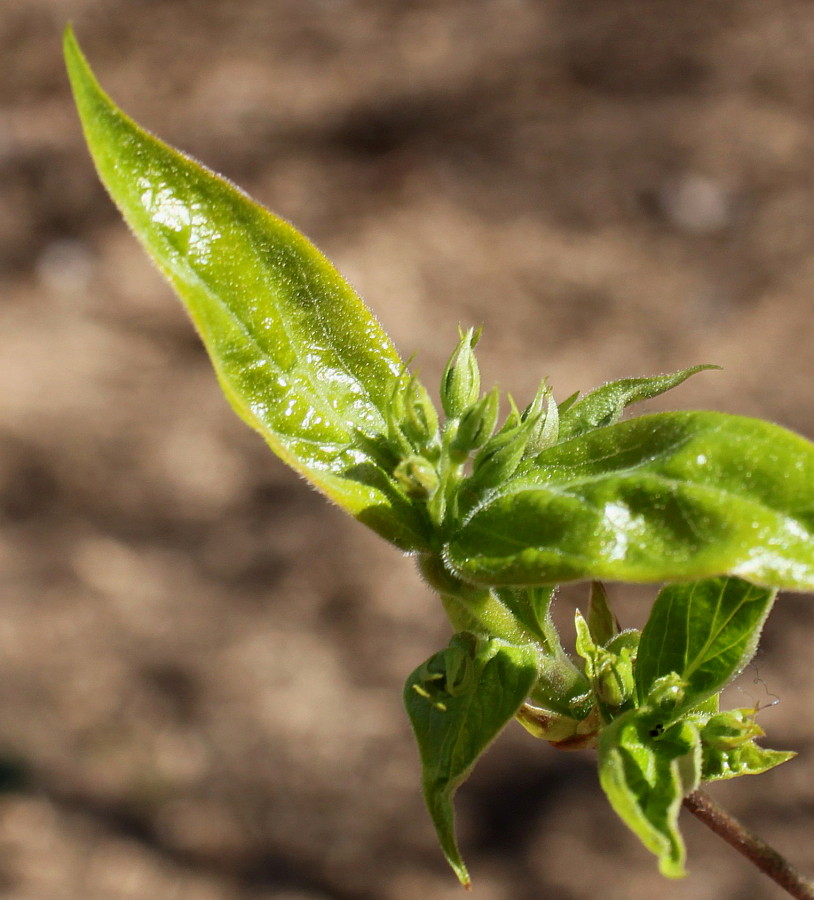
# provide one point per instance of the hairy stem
(757, 851)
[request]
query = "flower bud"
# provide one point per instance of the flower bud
(477, 423)
(417, 476)
(667, 693)
(614, 681)
(460, 383)
(545, 421)
(420, 425)
(602, 623)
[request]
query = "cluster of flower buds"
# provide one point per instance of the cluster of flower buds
(433, 459)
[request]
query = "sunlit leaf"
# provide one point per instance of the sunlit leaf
(297, 353)
(605, 405)
(662, 497)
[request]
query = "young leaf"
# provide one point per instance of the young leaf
(297, 353)
(605, 405)
(705, 632)
(458, 702)
(602, 622)
(646, 773)
(745, 758)
(661, 497)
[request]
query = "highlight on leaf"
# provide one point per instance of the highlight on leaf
(720, 507)
(297, 353)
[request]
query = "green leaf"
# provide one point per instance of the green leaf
(605, 405)
(646, 773)
(746, 759)
(705, 632)
(297, 353)
(661, 497)
(458, 702)
(602, 622)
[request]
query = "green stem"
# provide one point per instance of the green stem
(757, 851)
(482, 613)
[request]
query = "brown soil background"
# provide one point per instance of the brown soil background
(201, 661)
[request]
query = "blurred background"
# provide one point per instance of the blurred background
(200, 660)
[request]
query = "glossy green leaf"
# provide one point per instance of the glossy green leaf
(705, 632)
(297, 353)
(646, 773)
(661, 497)
(605, 405)
(458, 702)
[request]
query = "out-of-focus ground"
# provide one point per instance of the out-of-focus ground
(200, 660)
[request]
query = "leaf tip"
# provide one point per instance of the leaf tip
(70, 45)
(462, 873)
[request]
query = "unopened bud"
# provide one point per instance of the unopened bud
(420, 418)
(460, 383)
(417, 476)
(614, 680)
(545, 421)
(477, 423)
(602, 623)
(667, 693)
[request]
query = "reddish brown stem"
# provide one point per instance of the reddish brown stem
(758, 852)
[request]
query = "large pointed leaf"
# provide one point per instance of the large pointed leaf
(662, 497)
(458, 702)
(646, 772)
(705, 632)
(296, 351)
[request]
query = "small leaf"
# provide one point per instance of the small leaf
(646, 773)
(297, 353)
(458, 702)
(746, 759)
(661, 497)
(605, 405)
(705, 632)
(602, 623)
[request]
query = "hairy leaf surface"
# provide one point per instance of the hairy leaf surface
(661, 497)
(297, 353)
(605, 405)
